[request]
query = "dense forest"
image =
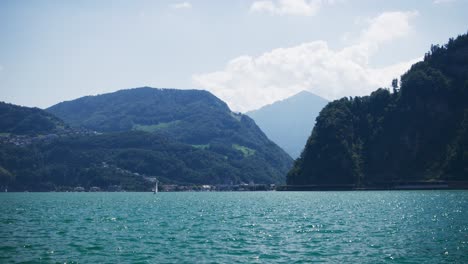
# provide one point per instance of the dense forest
(191, 116)
(27, 121)
(180, 137)
(415, 131)
(125, 159)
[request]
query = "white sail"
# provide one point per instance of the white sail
(156, 186)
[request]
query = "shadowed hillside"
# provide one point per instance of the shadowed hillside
(129, 137)
(418, 132)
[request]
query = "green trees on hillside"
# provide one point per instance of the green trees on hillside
(24, 120)
(124, 159)
(147, 132)
(416, 133)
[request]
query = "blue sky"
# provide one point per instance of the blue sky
(248, 53)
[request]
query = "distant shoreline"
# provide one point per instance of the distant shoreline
(288, 189)
(385, 187)
(433, 185)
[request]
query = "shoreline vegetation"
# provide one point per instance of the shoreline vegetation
(409, 186)
(439, 185)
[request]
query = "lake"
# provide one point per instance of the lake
(253, 227)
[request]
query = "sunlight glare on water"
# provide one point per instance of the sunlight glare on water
(359, 227)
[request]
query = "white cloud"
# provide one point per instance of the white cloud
(287, 7)
(182, 5)
(387, 26)
(248, 82)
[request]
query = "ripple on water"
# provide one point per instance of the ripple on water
(369, 227)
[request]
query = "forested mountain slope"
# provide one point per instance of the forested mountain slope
(416, 133)
(182, 137)
(25, 120)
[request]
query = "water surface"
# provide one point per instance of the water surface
(254, 227)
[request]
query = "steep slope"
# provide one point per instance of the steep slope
(191, 117)
(21, 120)
(140, 108)
(61, 157)
(417, 133)
(289, 122)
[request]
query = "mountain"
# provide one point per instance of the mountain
(208, 144)
(417, 133)
(21, 120)
(127, 138)
(289, 122)
(145, 108)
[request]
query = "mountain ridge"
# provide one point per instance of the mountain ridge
(194, 118)
(123, 139)
(288, 122)
(23, 120)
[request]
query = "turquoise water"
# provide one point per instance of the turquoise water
(253, 227)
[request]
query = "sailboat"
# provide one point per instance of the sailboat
(155, 190)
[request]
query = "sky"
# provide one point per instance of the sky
(248, 53)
